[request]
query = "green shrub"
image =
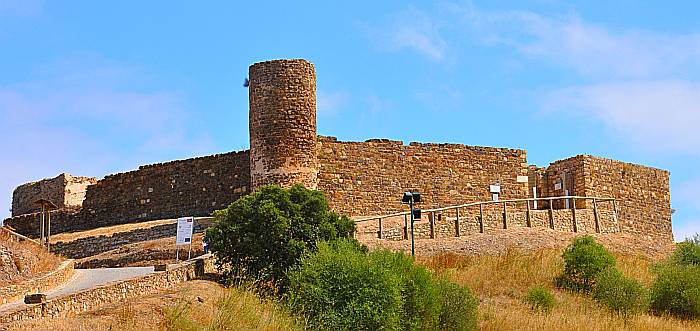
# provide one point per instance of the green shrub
(338, 288)
(342, 288)
(540, 298)
(262, 235)
(676, 290)
(583, 260)
(687, 252)
(620, 294)
(458, 307)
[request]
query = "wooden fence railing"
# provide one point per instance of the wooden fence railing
(505, 203)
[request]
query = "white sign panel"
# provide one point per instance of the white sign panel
(185, 226)
(523, 179)
(494, 197)
(557, 186)
(495, 188)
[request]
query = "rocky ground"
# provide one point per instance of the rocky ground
(20, 261)
(524, 239)
(147, 253)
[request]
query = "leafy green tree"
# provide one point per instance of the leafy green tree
(262, 235)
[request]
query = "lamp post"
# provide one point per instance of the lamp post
(410, 198)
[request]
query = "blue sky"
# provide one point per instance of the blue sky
(93, 88)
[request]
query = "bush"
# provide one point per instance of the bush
(540, 299)
(583, 260)
(676, 291)
(458, 307)
(262, 235)
(620, 294)
(338, 288)
(342, 288)
(687, 252)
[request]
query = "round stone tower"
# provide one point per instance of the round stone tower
(282, 123)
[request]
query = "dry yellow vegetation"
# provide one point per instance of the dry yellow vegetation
(501, 281)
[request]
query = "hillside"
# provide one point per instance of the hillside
(500, 281)
(23, 260)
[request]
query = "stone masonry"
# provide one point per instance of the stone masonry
(283, 123)
(64, 190)
(358, 178)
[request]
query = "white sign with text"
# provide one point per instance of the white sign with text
(185, 227)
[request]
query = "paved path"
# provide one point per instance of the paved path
(85, 279)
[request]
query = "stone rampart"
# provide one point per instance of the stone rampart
(92, 298)
(369, 178)
(64, 190)
(643, 193)
(192, 187)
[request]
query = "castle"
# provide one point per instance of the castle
(358, 178)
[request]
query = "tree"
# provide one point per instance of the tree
(262, 235)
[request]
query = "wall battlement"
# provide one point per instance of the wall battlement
(359, 178)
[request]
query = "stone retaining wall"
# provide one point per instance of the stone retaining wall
(90, 246)
(445, 224)
(11, 293)
(90, 299)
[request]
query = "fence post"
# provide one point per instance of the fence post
(405, 227)
(595, 216)
(573, 213)
(505, 217)
(432, 225)
(527, 217)
(457, 221)
(481, 218)
(380, 228)
(551, 215)
(619, 229)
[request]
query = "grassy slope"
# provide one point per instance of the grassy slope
(501, 282)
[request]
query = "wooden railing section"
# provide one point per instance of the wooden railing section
(505, 203)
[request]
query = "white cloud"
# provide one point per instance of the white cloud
(655, 115)
(686, 230)
(585, 47)
(89, 120)
(413, 30)
(330, 102)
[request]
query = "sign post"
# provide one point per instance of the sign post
(185, 228)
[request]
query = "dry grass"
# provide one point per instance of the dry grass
(238, 309)
(30, 259)
(197, 305)
(107, 230)
(501, 282)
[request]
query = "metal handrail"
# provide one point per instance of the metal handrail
(601, 199)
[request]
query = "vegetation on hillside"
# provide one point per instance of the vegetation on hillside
(262, 235)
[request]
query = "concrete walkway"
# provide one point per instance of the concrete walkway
(84, 279)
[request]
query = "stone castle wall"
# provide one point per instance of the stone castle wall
(369, 178)
(64, 190)
(192, 187)
(643, 193)
(358, 178)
